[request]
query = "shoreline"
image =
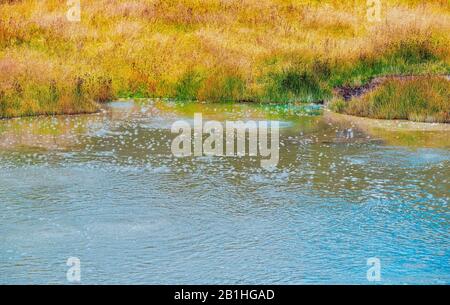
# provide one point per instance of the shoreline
(83, 113)
(347, 93)
(394, 125)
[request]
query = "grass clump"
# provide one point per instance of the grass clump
(337, 105)
(187, 88)
(293, 85)
(422, 99)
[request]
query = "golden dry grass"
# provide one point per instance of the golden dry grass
(215, 50)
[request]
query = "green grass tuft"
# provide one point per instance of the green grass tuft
(293, 86)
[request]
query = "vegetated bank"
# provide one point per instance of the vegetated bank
(260, 51)
(414, 98)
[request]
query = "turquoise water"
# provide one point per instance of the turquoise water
(105, 188)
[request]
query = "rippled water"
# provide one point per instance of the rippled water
(105, 188)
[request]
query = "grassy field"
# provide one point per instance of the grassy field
(211, 50)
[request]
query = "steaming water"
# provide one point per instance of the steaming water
(106, 189)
